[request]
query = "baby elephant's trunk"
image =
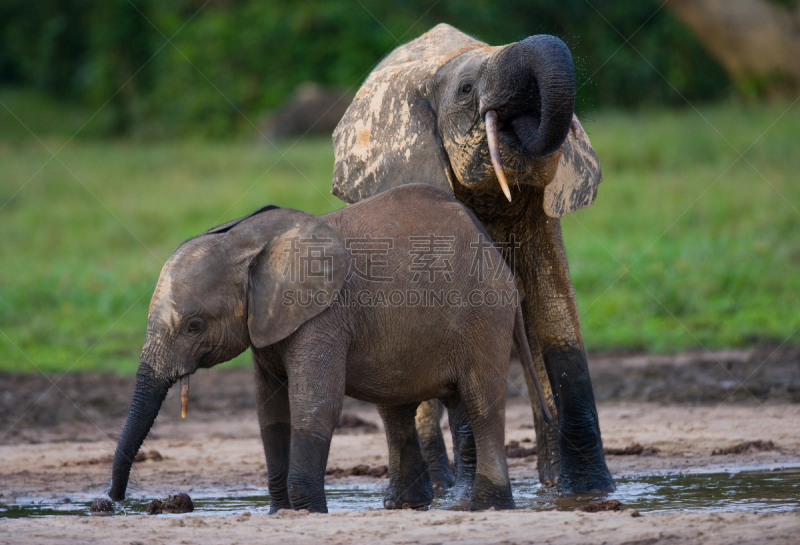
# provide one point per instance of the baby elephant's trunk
(147, 398)
(527, 361)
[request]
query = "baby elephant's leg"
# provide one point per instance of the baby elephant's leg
(464, 453)
(409, 481)
(316, 392)
(484, 404)
(274, 420)
(429, 416)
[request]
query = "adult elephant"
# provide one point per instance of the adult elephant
(451, 111)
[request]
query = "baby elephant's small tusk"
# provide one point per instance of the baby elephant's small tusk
(184, 395)
(494, 151)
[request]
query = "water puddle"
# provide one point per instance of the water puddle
(763, 491)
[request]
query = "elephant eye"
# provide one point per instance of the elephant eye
(195, 325)
(466, 88)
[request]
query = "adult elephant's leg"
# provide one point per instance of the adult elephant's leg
(429, 416)
(274, 419)
(550, 308)
(409, 481)
(547, 458)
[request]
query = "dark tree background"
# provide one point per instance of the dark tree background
(231, 56)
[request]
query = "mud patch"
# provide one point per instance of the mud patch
(634, 449)
(101, 507)
(179, 503)
(598, 506)
(515, 450)
(359, 470)
(746, 447)
(355, 424)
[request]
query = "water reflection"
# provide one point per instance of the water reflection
(777, 490)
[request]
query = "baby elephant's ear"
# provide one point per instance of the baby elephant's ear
(575, 183)
(295, 277)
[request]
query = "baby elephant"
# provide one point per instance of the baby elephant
(395, 300)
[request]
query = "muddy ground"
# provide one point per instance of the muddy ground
(57, 435)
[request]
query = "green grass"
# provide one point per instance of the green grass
(688, 244)
(677, 252)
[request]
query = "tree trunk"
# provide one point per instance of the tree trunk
(757, 42)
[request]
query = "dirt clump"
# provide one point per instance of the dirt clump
(353, 422)
(634, 449)
(598, 506)
(359, 470)
(179, 503)
(151, 455)
(746, 447)
(101, 507)
(515, 450)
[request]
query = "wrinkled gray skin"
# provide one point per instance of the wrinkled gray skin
(226, 290)
(421, 117)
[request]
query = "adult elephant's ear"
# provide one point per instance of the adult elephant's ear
(389, 131)
(296, 274)
(574, 185)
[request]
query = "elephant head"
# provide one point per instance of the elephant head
(218, 294)
(447, 109)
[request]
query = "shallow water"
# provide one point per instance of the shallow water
(763, 491)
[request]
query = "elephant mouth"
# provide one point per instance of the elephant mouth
(515, 133)
(518, 132)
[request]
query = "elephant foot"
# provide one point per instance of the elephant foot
(279, 499)
(418, 495)
(442, 479)
(583, 464)
(464, 481)
(487, 495)
(548, 461)
(274, 507)
(596, 483)
(462, 491)
(389, 503)
(311, 498)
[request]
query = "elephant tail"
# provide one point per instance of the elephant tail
(527, 361)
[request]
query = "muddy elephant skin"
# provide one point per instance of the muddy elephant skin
(456, 113)
(395, 300)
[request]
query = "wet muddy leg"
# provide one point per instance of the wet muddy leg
(464, 453)
(272, 398)
(409, 481)
(429, 417)
(316, 393)
(484, 405)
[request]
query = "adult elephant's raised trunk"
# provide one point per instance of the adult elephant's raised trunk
(151, 389)
(536, 97)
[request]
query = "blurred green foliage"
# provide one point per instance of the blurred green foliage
(208, 67)
(687, 245)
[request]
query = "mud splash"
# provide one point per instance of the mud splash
(763, 491)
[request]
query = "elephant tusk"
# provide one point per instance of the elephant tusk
(575, 125)
(184, 395)
(494, 151)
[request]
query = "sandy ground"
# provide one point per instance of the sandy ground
(218, 445)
